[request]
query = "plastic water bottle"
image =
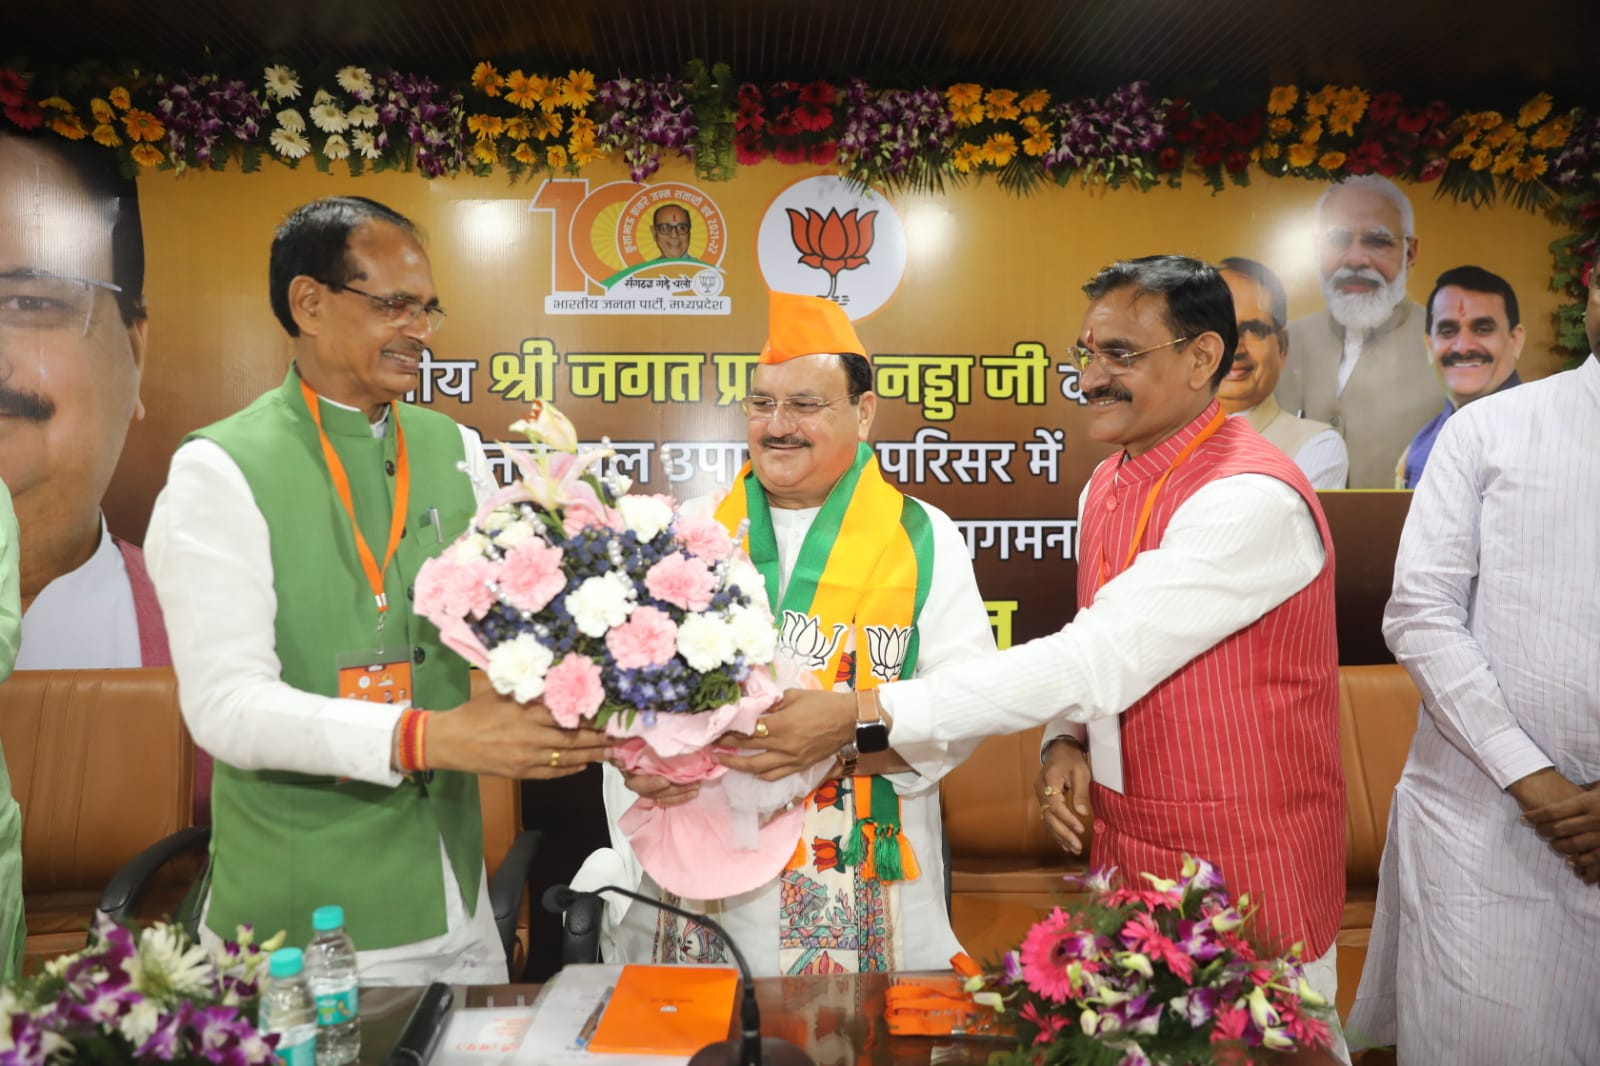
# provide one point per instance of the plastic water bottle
(331, 969)
(288, 1009)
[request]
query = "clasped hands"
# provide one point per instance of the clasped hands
(1565, 814)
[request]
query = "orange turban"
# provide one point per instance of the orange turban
(807, 325)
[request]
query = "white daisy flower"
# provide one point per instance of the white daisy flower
(354, 80)
(329, 118)
(292, 120)
(321, 96)
(365, 143)
(363, 115)
(601, 602)
(336, 147)
(282, 83)
(517, 667)
(290, 145)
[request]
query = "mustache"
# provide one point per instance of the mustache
(785, 442)
(1459, 358)
(1108, 391)
(1358, 274)
(28, 405)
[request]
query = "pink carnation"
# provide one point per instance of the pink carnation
(572, 690)
(681, 581)
(704, 537)
(446, 588)
(530, 575)
(647, 638)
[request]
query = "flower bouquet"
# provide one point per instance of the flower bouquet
(624, 612)
(1154, 975)
(154, 997)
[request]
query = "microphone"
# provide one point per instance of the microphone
(751, 1048)
(423, 1028)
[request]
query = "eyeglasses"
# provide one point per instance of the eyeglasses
(38, 301)
(1115, 360)
(765, 408)
(399, 311)
(681, 229)
(1376, 241)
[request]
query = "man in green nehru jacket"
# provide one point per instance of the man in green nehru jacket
(13, 931)
(284, 548)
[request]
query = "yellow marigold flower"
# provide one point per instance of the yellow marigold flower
(120, 99)
(524, 154)
(1505, 161)
(966, 157)
(1271, 150)
(101, 110)
(106, 134)
(1532, 170)
(577, 89)
(1002, 104)
(517, 128)
(1499, 136)
(57, 103)
(1552, 134)
(69, 126)
(966, 114)
(1351, 99)
(1331, 160)
(523, 91)
(147, 155)
(1312, 132)
(1279, 127)
(484, 151)
(548, 125)
(1343, 120)
(556, 156)
(584, 158)
(1487, 120)
(1037, 100)
(1302, 155)
(1282, 100)
(1464, 150)
(964, 94)
(142, 125)
(1038, 143)
(487, 80)
(1482, 158)
(1000, 149)
(582, 126)
(1317, 103)
(1534, 111)
(490, 126)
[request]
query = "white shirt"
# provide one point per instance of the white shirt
(1354, 341)
(84, 619)
(1483, 943)
(210, 559)
(1324, 459)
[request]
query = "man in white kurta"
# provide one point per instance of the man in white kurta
(1486, 945)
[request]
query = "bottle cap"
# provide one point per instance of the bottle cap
(326, 919)
(286, 962)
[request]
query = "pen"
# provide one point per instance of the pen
(587, 1032)
(433, 516)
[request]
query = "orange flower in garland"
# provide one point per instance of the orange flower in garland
(484, 152)
(1552, 134)
(1331, 160)
(523, 91)
(106, 134)
(1001, 104)
(1534, 111)
(142, 126)
(556, 156)
(487, 80)
(1034, 102)
(1302, 155)
(966, 103)
(576, 89)
(490, 126)
(147, 155)
(69, 126)
(1317, 103)
(525, 154)
(1282, 100)
(101, 110)
(517, 128)
(999, 149)
(120, 99)
(1039, 140)
(1532, 170)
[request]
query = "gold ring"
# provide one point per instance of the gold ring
(1048, 792)
(761, 728)
(555, 758)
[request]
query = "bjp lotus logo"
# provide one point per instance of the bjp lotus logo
(802, 635)
(832, 242)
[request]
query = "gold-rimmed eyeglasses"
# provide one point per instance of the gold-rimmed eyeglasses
(399, 311)
(766, 408)
(1115, 360)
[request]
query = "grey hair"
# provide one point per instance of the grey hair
(1383, 187)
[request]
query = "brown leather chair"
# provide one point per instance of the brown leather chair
(103, 768)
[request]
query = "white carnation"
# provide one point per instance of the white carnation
(472, 546)
(601, 603)
(498, 519)
(515, 533)
(517, 668)
(753, 634)
(646, 515)
(706, 642)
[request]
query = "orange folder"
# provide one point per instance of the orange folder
(666, 1010)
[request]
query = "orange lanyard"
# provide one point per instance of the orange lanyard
(1155, 490)
(341, 485)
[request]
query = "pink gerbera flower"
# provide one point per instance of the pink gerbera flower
(1141, 934)
(1046, 952)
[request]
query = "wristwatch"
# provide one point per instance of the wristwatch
(872, 735)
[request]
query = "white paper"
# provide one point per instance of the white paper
(1105, 752)
(565, 1006)
(487, 1036)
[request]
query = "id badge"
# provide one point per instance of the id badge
(381, 676)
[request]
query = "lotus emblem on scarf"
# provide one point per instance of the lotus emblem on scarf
(802, 635)
(886, 648)
(832, 242)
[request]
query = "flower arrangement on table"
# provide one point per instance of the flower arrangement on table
(625, 613)
(1161, 974)
(151, 996)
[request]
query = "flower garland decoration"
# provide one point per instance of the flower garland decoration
(151, 996)
(1154, 975)
(647, 118)
(1576, 176)
(535, 124)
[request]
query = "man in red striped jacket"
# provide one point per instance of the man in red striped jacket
(1203, 659)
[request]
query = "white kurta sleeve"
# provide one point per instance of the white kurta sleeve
(1426, 622)
(1325, 460)
(1233, 551)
